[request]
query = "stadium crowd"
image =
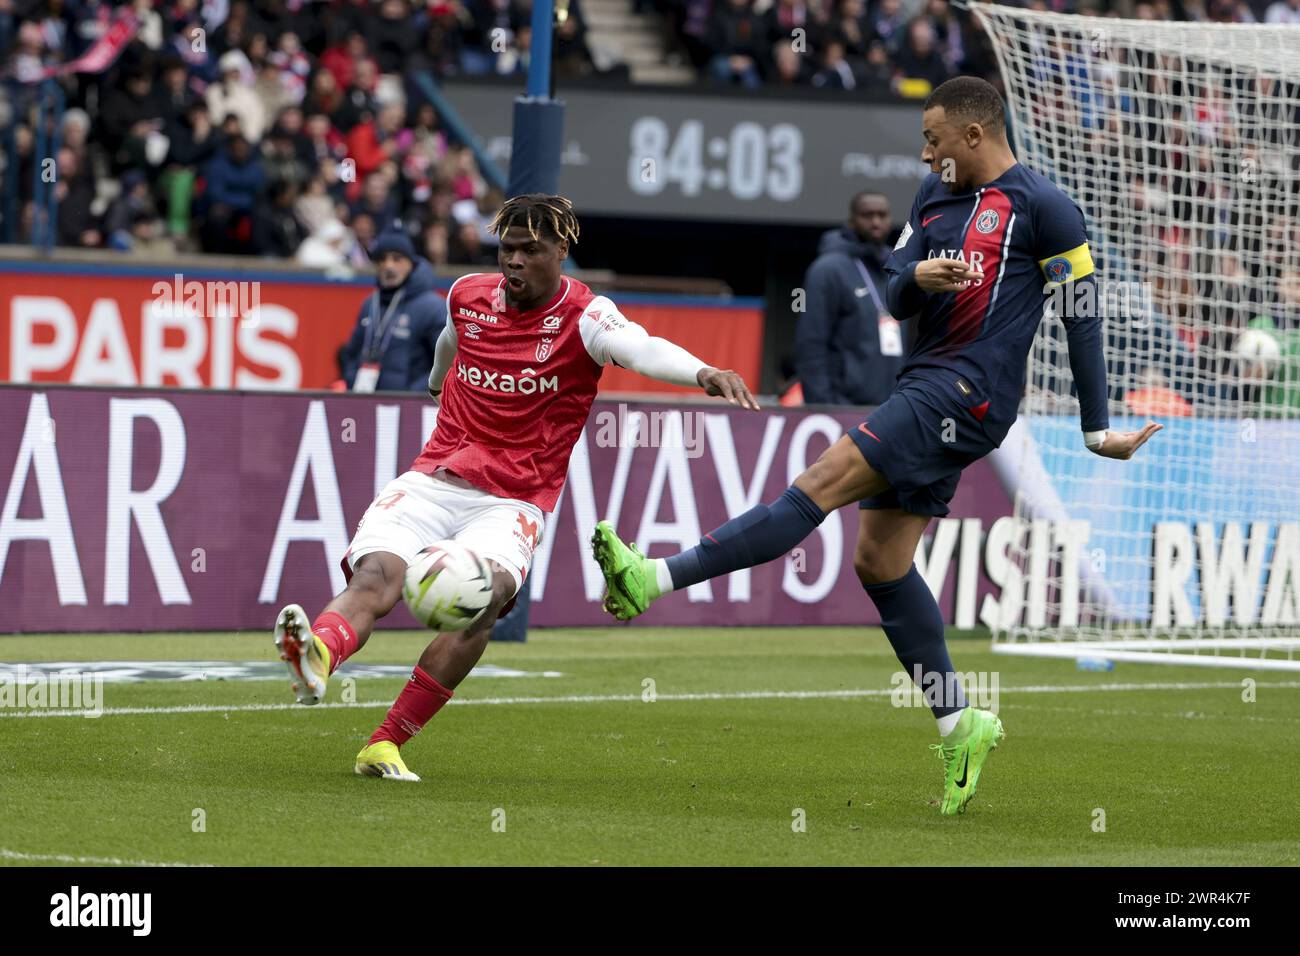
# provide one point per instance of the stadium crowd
(280, 128)
(888, 47)
(289, 129)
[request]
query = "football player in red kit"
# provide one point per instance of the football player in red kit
(515, 372)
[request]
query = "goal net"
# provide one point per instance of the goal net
(1181, 144)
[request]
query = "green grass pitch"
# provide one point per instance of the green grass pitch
(1184, 770)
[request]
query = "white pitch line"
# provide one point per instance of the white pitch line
(637, 698)
(95, 860)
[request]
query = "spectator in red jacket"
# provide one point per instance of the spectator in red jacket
(379, 139)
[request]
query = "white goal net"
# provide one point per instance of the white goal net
(1181, 143)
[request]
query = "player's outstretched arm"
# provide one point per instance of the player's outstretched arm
(611, 337)
(1072, 294)
(1075, 302)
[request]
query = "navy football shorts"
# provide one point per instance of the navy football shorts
(921, 438)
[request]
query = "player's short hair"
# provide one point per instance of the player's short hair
(542, 215)
(968, 99)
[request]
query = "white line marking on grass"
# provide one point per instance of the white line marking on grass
(1185, 715)
(635, 698)
(94, 860)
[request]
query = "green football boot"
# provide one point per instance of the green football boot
(963, 753)
(630, 578)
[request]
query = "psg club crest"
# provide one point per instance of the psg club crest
(987, 221)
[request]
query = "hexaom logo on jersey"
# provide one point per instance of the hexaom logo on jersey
(525, 384)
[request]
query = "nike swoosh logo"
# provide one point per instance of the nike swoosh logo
(868, 431)
(964, 766)
(926, 222)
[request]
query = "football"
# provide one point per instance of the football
(1259, 354)
(448, 587)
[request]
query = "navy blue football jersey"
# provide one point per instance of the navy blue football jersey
(1026, 236)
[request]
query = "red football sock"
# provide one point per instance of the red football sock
(337, 634)
(420, 699)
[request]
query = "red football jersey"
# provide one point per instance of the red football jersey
(519, 391)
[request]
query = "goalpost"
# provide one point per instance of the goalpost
(1181, 144)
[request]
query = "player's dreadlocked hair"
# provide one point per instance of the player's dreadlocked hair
(540, 214)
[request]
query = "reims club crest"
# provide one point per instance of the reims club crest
(550, 324)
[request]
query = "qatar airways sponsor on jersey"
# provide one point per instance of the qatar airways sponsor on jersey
(528, 382)
(972, 257)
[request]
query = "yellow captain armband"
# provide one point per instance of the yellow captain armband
(1067, 266)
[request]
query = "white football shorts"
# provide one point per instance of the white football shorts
(415, 510)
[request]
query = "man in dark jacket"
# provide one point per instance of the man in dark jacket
(130, 114)
(391, 348)
(849, 349)
(277, 231)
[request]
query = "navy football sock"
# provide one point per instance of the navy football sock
(762, 533)
(913, 623)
